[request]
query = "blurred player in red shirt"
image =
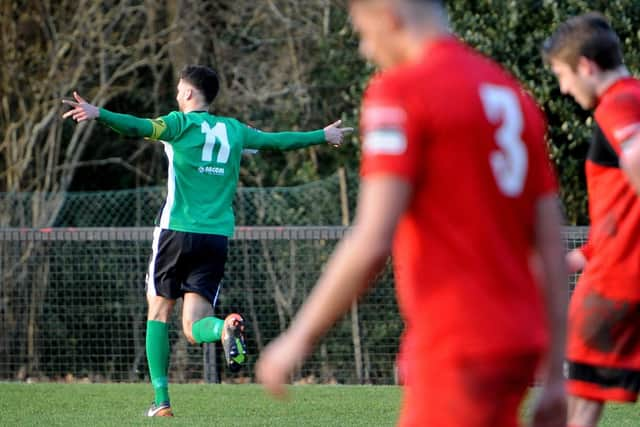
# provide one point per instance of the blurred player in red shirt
(455, 182)
(604, 316)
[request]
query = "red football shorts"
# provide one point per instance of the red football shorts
(603, 349)
(469, 391)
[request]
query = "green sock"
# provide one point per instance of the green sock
(207, 329)
(158, 358)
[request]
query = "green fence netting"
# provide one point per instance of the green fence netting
(316, 203)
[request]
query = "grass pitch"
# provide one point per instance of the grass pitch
(94, 405)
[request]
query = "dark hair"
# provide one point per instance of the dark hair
(203, 78)
(588, 35)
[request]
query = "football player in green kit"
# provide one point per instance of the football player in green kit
(191, 237)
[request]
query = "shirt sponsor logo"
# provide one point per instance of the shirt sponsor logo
(385, 141)
(211, 170)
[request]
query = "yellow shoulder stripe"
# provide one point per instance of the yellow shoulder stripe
(159, 126)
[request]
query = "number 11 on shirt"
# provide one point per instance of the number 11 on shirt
(213, 134)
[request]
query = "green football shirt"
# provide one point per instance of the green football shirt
(204, 153)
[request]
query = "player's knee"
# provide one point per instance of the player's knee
(187, 329)
(157, 316)
(189, 337)
(159, 308)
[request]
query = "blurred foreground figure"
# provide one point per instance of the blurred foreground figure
(456, 183)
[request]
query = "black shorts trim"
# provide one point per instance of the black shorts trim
(606, 377)
(186, 262)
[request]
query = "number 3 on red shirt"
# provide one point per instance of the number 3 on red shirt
(509, 163)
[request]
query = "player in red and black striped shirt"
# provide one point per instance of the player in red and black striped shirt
(603, 349)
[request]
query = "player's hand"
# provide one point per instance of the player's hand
(550, 407)
(334, 134)
(277, 361)
(81, 110)
(576, 261)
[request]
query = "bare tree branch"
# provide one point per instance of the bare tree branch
(110, 161)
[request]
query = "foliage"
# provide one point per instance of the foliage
(284, 64)
(512, 32)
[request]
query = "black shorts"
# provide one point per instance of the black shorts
(186, 262)
(603, 346)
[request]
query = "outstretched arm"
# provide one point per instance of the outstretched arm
(122, 123)
(355, 262)
(332, 134)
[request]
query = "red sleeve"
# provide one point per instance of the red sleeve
(389, 134)
(619, 119)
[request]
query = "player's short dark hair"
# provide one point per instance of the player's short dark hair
(588, 35)
(203, 78)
